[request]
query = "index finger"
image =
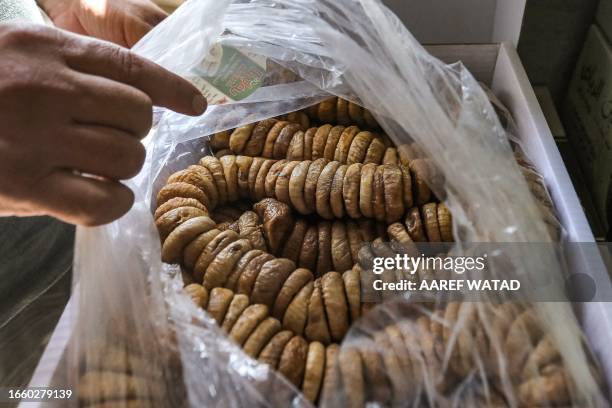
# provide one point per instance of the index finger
(120, 64)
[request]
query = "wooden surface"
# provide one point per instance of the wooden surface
(35, 280)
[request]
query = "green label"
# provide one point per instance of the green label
(238, 75)
(228, 74)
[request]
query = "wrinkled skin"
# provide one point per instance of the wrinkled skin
(73, 111)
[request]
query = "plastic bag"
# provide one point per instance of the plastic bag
(140, 341)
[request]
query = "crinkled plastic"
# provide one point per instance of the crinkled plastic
(140, 341)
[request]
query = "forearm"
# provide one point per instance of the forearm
(122, 22)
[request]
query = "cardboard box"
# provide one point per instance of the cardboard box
(604, 18)
(588, 115)
(493, 60)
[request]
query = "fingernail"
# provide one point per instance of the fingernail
(199, 104)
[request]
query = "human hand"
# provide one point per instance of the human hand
(123, 22)
(71, 105)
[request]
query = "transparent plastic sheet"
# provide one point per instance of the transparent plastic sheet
(141, 341)
(535, 181)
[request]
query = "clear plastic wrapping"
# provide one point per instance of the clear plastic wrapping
(140, 340)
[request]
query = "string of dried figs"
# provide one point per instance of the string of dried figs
(307, 365)
(238, 260)
(321, 246)
(283, 139)
(432, 222)
(322, 309)
(342, 112)
(310, 320)
(126, 380)
(317, 245)
(296, 117)
(451, 353)
(126, 389)
(395, 364)
(121, 372)
(329, 189)
(189, 236)
(223, 259)
(221, 140)
(273, 227)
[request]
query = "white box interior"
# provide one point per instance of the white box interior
(461, 21)
(499, 67)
